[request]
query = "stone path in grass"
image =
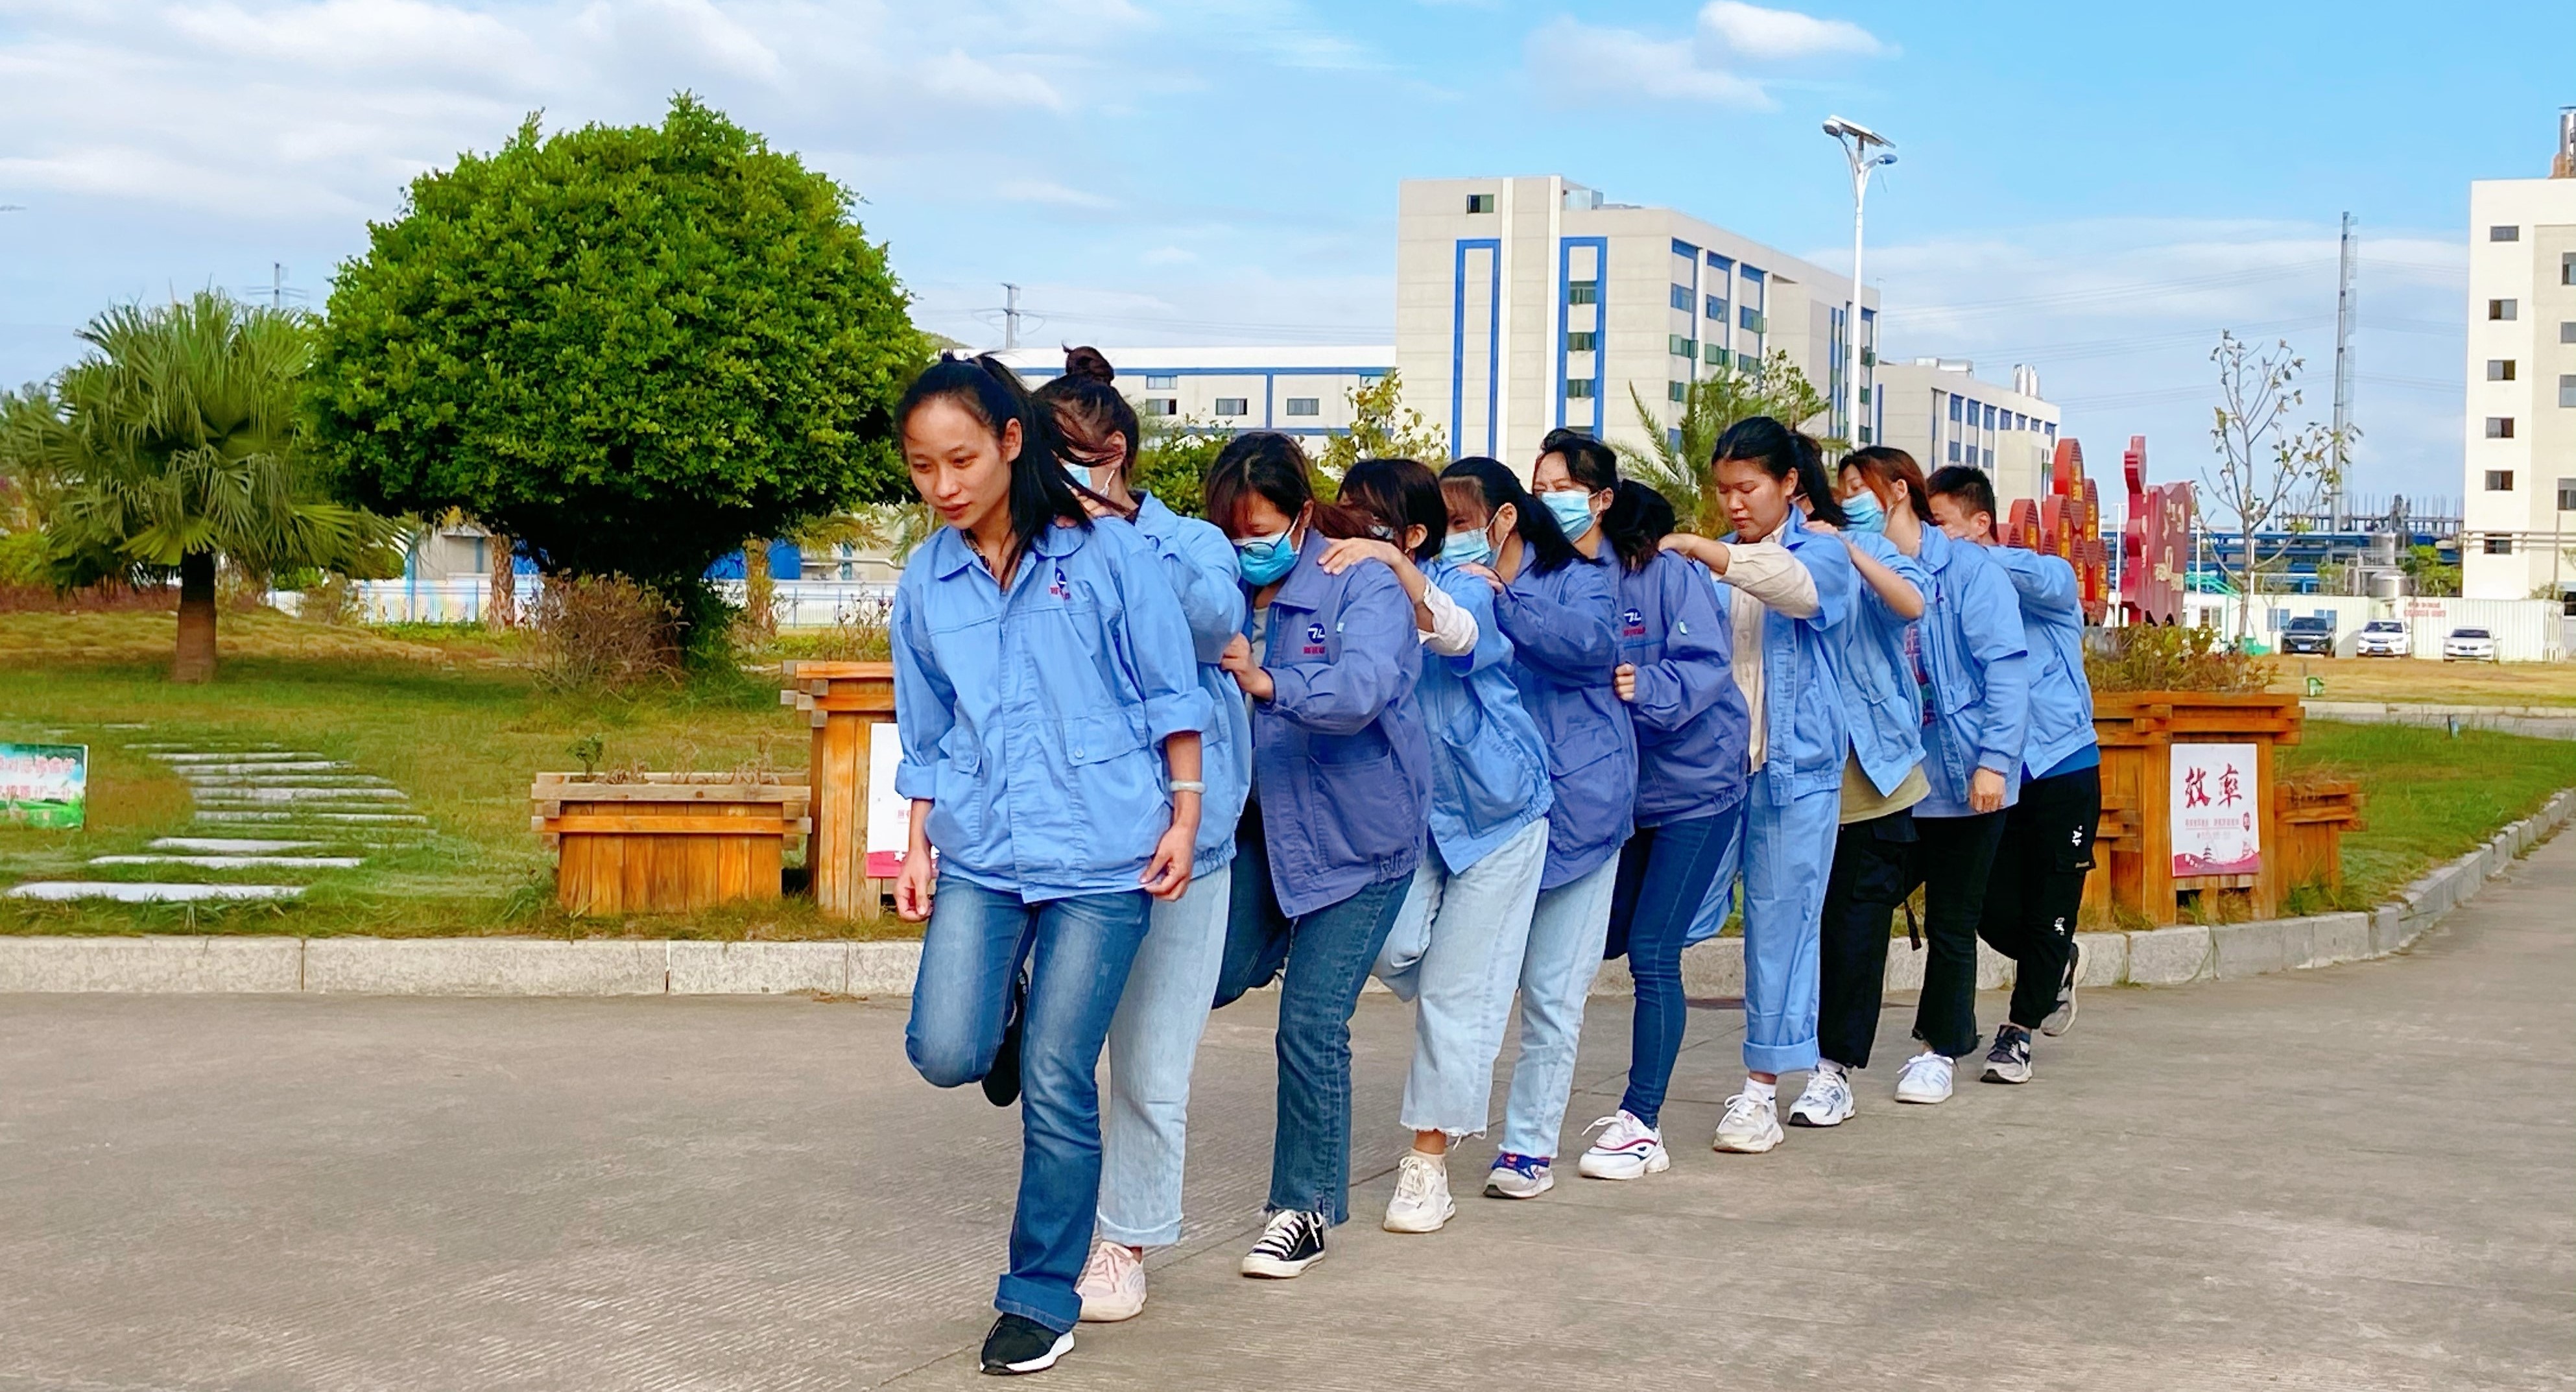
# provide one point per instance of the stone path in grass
(314, 813)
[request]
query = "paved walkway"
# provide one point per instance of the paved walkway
(2363, 1176)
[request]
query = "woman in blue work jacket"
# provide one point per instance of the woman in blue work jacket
(1557, 604)
(1040, 661)
(1455, 951)
(1676, 675)
(1154, 1037)
(1788, 590)
(1341, 778)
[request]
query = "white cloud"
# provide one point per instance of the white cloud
(1750, 31)
(1052, 194)
(1722, 64)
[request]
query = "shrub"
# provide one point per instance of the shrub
(332, 599)
(602, 633)
(2152, 657)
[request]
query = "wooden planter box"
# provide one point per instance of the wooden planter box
(665, 845)
(2133, 850)
(2310, 818)
(841, 700)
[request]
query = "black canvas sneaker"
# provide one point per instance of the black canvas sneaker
(1293, 1241)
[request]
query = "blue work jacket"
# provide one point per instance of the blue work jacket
(1563, 652)
(1978, 675)
(1803, 726)
(2052, 616)
(1200, 563)
(1690, 719)
(1878, 675)
(1033, 717)
(1343, 767)
(1488, 766)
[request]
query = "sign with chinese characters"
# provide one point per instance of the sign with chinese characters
(889, 813)
(2216, 811)
(44, 785)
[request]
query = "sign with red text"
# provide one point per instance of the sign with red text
(889, 813)
(2216, 811)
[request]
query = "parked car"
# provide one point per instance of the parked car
(2309, 633)
(2469, 645)
(2381, 638)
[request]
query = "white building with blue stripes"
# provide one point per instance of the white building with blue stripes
(1298, 390)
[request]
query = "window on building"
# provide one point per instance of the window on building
(1580, 340)
(1162, 381)
(1990, 458)
(1749, 318)
(1723, 263)
(2567, 495)
(1954, 451)
(2567, 268)
(1370, 377)
(1681, 347)
(2566, 389)
(1682, 298)
(1864, 396)
(1716, 308)
(1233, 406)
(2567, 330)
(1159, 406)
(2504, 234)
(2501, 309)
(1715, 356)
(1583, 292)
(1990, 418)
(2499, 480)
(2499, 369)
(2499, 427)
(1954, 406)
(1480, 202)
(1677, 391)
(2052, 434)
(2020, 421)
(1864, 435)
(2499, 546)
(1305, 406)
(1580, 389)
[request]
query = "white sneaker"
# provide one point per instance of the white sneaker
(1518, 1177)
(1827, 1100)
(1751, 1125)
(1421, 1203)
(1112, 1285)
(1925, 1079)
(2062, 1019)
(1628, 1149)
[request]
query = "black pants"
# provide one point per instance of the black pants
(1877, 864)
(2038, 884)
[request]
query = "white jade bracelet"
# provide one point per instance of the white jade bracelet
(1188, 785)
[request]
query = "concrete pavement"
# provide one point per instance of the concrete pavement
(2358, 1176)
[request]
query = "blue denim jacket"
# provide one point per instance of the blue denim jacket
(1878, 676)
(1033, 718)
(1200, 563)
(1564, 650)
(1690, 720)
(1804, 733)
(2052, 615)
(1343, 766)
(1488, 768)
(1972, 649)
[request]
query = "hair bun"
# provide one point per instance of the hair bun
(1089, 362)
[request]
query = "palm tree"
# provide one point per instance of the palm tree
(1676, 463)
(175, 443)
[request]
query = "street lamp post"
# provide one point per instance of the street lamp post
(1866, 149)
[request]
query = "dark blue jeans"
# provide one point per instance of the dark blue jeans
(1078, 951)
(1334, 948)
(1664, 874)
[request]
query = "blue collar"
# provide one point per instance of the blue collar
(1307, 586)
(951, 554)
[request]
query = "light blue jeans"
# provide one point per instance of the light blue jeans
(1152, 1043)
(1456, 952)
(1567, 931)
(1787, 857)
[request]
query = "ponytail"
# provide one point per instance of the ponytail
(1637, 521)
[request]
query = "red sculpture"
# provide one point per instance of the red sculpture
(2155, 543)
(2068, 523)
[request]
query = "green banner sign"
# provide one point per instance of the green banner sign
(44, 785)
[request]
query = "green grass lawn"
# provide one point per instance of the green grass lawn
(2428, 797)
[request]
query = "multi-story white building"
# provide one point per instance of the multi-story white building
(1299, 390)
(2518, 513)
(1941, 412)
(1526, 304)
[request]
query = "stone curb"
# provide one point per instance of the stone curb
(526, 967)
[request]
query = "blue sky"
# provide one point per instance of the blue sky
(2091, 189)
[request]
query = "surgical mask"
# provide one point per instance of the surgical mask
(1865, 511)
(1265, 559)
(1572, 510)
(1467, 548)
(1080, 474)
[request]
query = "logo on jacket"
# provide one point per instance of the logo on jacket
(1314, 641)
(1060, 589)
(1632, 623)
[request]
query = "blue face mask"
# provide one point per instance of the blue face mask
(1265, 559)
(1865, 512)
(1572, 510)
(1467, 548)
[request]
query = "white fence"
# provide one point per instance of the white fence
(462, 599)
(2526, 630)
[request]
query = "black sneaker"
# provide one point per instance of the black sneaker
(1021, 1345)
(2062, 1019)
(1002, 1080)
(2009, 1060)
(1293, 1241)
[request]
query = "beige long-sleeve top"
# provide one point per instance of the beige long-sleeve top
(1765, 577)
(1453, 630)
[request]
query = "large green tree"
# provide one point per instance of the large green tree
(1679, 468)
(628, 348)
(175, 443)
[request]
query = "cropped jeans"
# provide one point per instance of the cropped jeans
(1787, 856)
(1566, 934)
(1319, 987)
(1664, 875)
(1077, 951)
(1455, 952)
(1153, 1041)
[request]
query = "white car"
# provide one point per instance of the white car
(2381, 638)
(2469, 645)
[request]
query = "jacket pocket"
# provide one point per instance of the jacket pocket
(1492, 778)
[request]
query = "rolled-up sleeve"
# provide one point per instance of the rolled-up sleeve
(924, 702)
